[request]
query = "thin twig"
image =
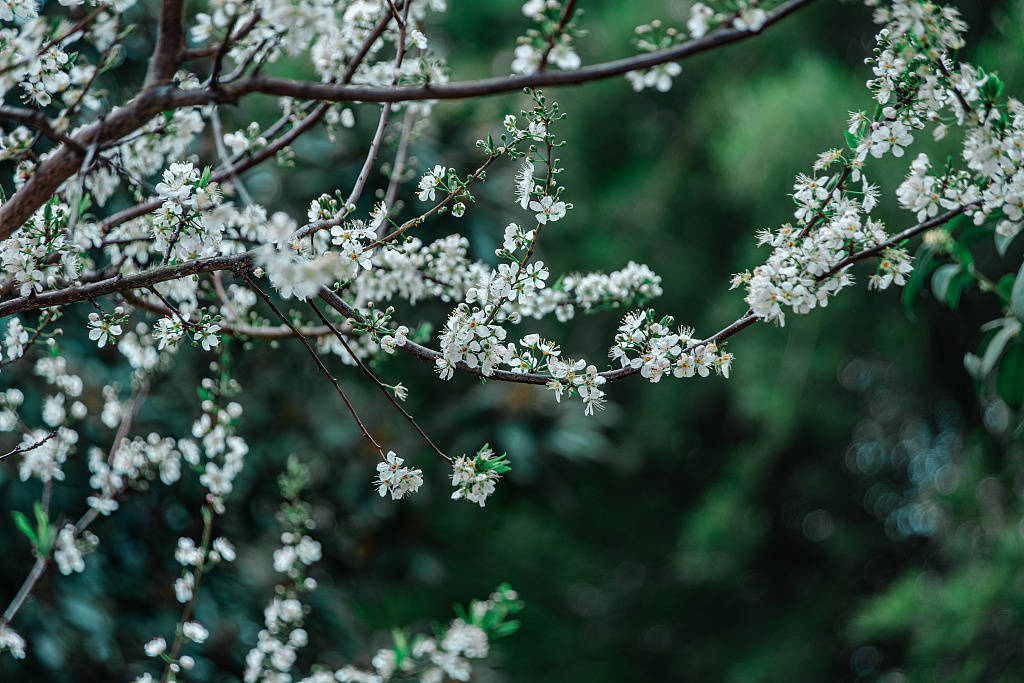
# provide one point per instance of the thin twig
(25, 449)
(319, 363)
(380, 385)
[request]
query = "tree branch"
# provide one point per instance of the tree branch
(170, 43)
(327, 92)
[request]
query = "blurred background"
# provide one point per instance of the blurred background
(846, 507)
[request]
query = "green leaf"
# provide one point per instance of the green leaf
(21, 521)
(1017, 296)
(944, 283)
(1010, 382)
(972, 364)
(506, 629)
(1003, 243)
(851, 139)
(993, 86)
(460, 612)
(996, 346)
(84, 204)
(205, 179)
(401, 645)
(1004, 288)
(956, 288)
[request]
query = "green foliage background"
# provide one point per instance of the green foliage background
(757, 529)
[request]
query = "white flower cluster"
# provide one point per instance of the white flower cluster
(548, 37)
(70, 549)
(654, 349)
(26, 256)
(448, 656)
(743, 15)
(189, 555)
(474, 478)
(395, 479)
(469, 338)
(190, 222)
(15, 339)
(413, 271)
(12, 642)
(10, 401)
(634, 285)
(914, 81)
(300, 267)
(330, 36)
(171, 329)
(44, 450)
(135, 460)
(224, 450)
(794, 276)
(106, 327)
(569, 377)
(283, 634)
(431, 181)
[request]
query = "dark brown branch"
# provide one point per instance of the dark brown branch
(66, 161)
(121, 283)
(35, 118)
(170, 42)
(218, 62)
(153, 100)
(896, 239)
(270, 150)
(327, 92)
(25, 449)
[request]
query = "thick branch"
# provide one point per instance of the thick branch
(490, 86)
(34, 118)
(67, 160)
(270, 150)
(170, 43)
(122, 283)
(62, 165)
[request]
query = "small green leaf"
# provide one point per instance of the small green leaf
(851, 139)
(943, 279)
(460, 612)
(972, 364)
(956, 288)
(205, 179)
(1003, 243)
(21, 521)
(506, 629)
(996, 346)
(43, 527)
(1017, 296)
(1010, 382)
(1004, 288)
(401, 643)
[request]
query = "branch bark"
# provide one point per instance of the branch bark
(327, 92)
